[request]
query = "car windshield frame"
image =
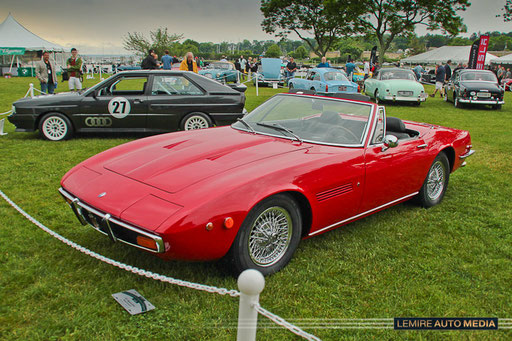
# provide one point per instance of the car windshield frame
(283, 135)
(489, 74)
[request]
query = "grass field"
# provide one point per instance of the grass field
(453, 260)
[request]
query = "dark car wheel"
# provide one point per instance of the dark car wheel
(268, 236)
(434, 186)
(55, 127)
(196, 120)
(496, 106)
(290, 86)
(456, 102)
(377, 96)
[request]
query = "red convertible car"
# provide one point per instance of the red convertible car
(295, 167)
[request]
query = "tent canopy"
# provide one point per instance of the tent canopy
(457, 54)
(13, 34)
(503, 60)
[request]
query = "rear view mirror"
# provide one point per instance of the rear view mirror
(390, 141)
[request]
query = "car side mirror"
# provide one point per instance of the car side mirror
(390, 141)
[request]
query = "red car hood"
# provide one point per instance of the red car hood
(175, 163)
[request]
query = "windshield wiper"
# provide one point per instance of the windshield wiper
(246, 124)
(279, 127)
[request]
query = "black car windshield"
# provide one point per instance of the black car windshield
(310, 119)
(479, 76)
(222, 66)
(397, 74)
(335, 76)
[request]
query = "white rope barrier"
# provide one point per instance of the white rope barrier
(246, 329)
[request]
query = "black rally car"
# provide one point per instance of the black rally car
(470, 86)
(133, 101)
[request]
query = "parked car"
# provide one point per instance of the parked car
(476, 87)
(132, 101)
(506, 83)
(428, 77)
(269, 72)
(395, 84)
(295, 167)
(221, 71)
(324, 81)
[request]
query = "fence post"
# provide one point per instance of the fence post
(250, 282)
(2, 121)
(257, 81)
(31, 90)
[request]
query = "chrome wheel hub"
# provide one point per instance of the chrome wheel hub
(270, 236)
(435, 182)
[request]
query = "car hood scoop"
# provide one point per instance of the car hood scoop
(175, 164)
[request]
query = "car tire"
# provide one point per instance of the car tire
(55, 127)
(196, 120)
(251, 240)
(436, 182)
(290, 86)
(456, 102)
(497, 106)
(376, 96)
(445, 97)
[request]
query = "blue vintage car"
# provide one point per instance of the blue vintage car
(324, 81)
(221, 71)
(269, 72)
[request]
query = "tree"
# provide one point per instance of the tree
(350, 46)
(300, 52)
(273, 51)
(160, 40)
(507, 11)
(387, 19)
(321, 19)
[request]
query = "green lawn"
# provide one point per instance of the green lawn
(453, 260)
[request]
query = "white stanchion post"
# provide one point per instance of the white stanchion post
(101, 78)
(2, 121)
(251, 283)
(238, 77)
(31, 90)
(257, 81)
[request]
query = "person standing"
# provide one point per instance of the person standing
(188, 63)
(291, 67)
(151, 61)
(167, 61)
(500, 73)
(243, 62)
(74, 65)
(508, 75)
(366, 69)
(418, 70)
(448, 70)
(440, 78)
(45, 73)
(324, 63)
(350, 66)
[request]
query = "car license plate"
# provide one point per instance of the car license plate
(342, 88)
(484, 94)
(405, 93)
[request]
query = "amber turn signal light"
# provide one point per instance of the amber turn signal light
(229, 222)
(147, 242)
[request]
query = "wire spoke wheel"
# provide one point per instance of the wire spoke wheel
(55, 128)
(270, 236)
(435, 182)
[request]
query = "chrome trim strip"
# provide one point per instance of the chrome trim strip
(362, 214)
(425, 145)
(473, 101)
(471, 152)
(108, 218)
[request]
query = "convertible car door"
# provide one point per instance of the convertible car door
(120, 105)
(393, 173)
(171, 97)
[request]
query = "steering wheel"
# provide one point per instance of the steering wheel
(346, 133)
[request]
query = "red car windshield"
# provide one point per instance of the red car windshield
(311, 119)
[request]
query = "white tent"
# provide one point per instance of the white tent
(13, 34)
(503, 60)
(457, 54)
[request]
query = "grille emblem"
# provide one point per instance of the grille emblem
(101, 195)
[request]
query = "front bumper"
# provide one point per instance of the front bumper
(406, 98)
(115, 229)
(23, 122)
(466, 155)
(476, 101)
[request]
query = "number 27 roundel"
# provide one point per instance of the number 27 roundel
(119, 107)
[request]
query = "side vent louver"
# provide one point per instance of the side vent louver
(334, 192)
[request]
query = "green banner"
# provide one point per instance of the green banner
(8, 51)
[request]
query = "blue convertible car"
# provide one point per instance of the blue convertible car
(221, 71)
(324, 81)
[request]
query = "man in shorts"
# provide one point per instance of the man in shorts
(440, 78)
(74, 65)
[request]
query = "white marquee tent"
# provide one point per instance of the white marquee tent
(503, 60)
(457, 54)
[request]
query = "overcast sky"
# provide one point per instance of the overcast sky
(97, 26)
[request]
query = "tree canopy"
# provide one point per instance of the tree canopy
(160, 40)
(317, 18)
(273, 51)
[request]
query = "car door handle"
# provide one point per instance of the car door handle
(137, 101)
(422, 146)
